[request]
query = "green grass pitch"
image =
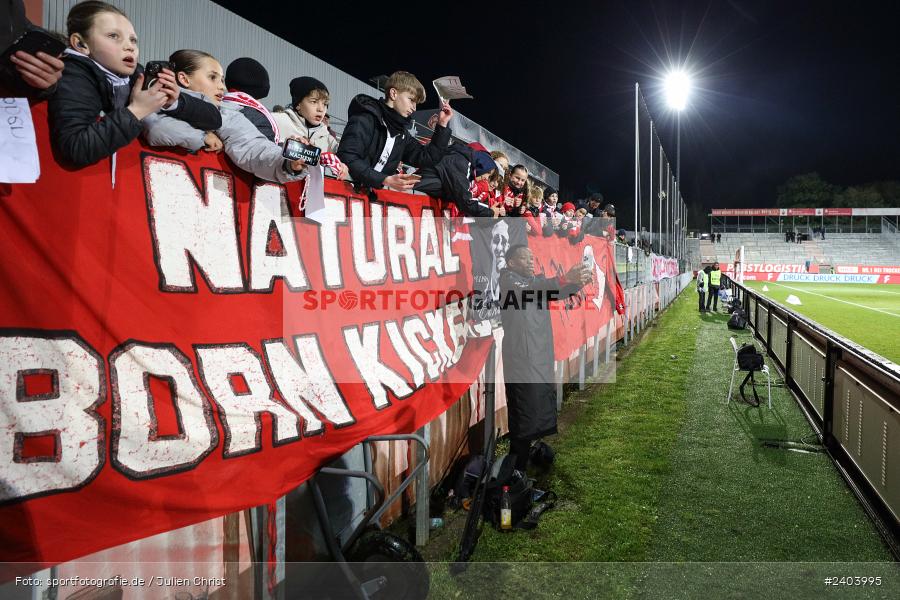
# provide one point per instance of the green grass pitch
(868, 314)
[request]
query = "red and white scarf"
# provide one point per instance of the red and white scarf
(315, 186)
(247, 100)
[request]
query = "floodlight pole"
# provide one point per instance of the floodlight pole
(637, 160)
(678, 159)
(659, 199)
(650, 225)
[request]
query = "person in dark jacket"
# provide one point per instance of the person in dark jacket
(594, 205)
(29, 75)
(99, 104)
(248, 83)
(377, 139)
(528, 346)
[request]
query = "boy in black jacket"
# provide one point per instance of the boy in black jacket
(377, 139)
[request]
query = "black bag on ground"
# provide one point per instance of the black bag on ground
(466, 479)
(749, 358)
(521, 491)
(738, 320)
(541, 455)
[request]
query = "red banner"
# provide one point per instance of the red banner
(184, 345)
(584, 314)
(797, 212)
(745, 212)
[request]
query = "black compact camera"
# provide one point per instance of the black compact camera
(152, 71)
(297, 150)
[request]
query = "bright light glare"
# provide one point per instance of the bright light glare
(677, 86)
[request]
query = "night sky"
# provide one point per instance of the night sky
(781, 87)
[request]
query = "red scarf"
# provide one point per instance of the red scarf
(248, 100)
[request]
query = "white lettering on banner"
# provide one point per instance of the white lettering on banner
(410, 361)
(429, 249)
(400, 239)
(137, 449)
(753, 268)
(415, 331)
(425, 338)
(269, 215)
(65, 415)
(456, 322)
(219, 366)
(332, 216)
(61, 408)
(451, 261)
(190, 227)
(370, 272)
(193, 227)
(302, 391)
(364, 350)
(435, 320)
(815, 278)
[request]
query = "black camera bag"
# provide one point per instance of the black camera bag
(749, 358)
(521, 491)
(738, 320)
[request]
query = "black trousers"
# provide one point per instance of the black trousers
(521, 449)
(713, 297)
(702, 300)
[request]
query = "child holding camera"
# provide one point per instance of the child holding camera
(103, 77)
(201, 76)
(305, 117)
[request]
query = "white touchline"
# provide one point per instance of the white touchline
(836, 299)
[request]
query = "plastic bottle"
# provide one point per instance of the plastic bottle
(505, 509)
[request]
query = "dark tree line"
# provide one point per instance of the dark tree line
(809, 190)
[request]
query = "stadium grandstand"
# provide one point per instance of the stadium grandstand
(219, 384)
(789, 241)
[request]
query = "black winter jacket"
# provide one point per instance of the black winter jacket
(13, 23)
(81, 137)
(364, 139)
(449, 180)
(528, 365)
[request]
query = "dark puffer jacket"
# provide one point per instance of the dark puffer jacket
(13, 24)
(260, 121)
(79, 134)
(364, 139)
(528, 364)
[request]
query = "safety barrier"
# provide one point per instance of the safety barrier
(851, 397)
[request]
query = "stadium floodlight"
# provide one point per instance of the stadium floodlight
(677, 85)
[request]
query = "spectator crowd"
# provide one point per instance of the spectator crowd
(100, 99)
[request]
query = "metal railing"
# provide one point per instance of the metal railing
(850, 396)
(633, 266)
